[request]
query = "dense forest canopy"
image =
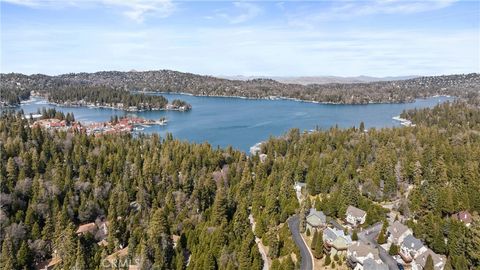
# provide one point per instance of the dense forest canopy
(174, 81)
(81, 94)
(105, 96)
(52, 182)
(173, 202)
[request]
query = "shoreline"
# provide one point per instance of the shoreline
(90, 106)
(214, 96)
(292, 99)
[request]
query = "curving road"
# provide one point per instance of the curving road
(307, 258)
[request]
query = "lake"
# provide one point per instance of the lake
(223, 121)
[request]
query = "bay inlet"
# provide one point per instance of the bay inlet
(241, 123)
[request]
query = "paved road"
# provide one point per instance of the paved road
(307, 259)
(368, 236)
(336, 224)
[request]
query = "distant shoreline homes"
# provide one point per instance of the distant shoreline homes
(115, 126)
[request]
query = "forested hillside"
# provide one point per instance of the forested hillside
(105, 96)
(81, 94)
(171, 202)
(174, 81)
(148, 190)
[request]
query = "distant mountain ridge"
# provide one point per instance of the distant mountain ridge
(305, 80)
(396, 91)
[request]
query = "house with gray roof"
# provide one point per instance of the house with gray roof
(438, 260)
(316, 220)
(410, 248)
(363, 256)
(336, 241)
(355, 216)
(397, 233)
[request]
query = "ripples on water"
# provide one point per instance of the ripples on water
(243, 122)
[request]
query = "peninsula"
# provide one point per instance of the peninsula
(108, 86)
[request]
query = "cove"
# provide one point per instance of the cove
(224, 121)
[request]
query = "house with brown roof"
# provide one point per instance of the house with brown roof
(355, 216)
(99, 229)
(87, 228)
(49, 264)
(397, 233)
(438, 260)
(119, 259)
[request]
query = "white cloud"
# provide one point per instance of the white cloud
(135, 10)
(346, 10)
(138, 9)
(242, 50)
(245, 11)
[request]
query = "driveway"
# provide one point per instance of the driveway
(368, 236)
(307, 259)
(261, 248)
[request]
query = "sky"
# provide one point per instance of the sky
(250, 38)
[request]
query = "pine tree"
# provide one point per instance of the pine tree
(220, 206)
(209, 262)
(288, 263)
(24, 256)
(318, 251)
(276, 265)
(65, 245)
(7, 256)
(473, 241)
(80, 257)
(244, 260)
(393, 250)
(459, 262)
(159, 241)
(429, 263)
(328, 260)
(314, 240)
(354, 235)
(381, 237)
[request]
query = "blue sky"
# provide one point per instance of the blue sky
(271, 38)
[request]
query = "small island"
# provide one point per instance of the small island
(91, 96)
(110, 97)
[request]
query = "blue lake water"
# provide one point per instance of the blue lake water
(244, 122)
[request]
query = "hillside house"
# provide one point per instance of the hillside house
(397, 233)
(465, 217)
(48, 264)
(336, 241)
(87, 228)
(411, 248)
(360, 254)
(438, 260)
(355, 216)
(316, 220)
